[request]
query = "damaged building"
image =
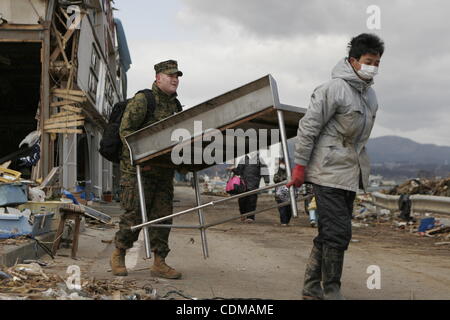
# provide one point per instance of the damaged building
(63, 66)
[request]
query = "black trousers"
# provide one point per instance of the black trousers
(248, 204)
(335, 208)
(285, 213)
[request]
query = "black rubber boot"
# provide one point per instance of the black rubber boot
(332, 263)
(313, 274)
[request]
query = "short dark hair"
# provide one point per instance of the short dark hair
(363, 44)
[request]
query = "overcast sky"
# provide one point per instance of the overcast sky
(220, 45)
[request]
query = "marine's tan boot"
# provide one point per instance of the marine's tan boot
(162, 270)
(117, 262)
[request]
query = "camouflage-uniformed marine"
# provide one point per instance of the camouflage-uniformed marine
(157, 182)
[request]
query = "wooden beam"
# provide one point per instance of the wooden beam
(65, 15)
(70, 92)
(67, 36)
(64, 125)
(61, 46)
(79, 131)
(70, 97)
(60, 19)
(60, 103)
(63, 114)
(64, 119)
(72, 109)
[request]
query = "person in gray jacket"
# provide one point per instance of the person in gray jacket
(330, 153)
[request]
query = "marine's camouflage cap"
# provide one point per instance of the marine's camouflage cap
(168, 67)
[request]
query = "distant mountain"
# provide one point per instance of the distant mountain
(397, 149)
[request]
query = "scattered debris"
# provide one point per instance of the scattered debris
(39, 262)
(95, 214)
(422, 186)
(441, 243)
(426, 224)
(32, 269)
(359, 225)
(442, 229)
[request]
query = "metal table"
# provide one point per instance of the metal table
(255, 106)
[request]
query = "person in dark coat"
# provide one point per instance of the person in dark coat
(282, 195)
(249, 169)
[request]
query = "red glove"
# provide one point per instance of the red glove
(298, 176)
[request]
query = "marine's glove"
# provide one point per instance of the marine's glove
(298, 176)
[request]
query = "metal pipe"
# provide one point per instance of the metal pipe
(175, 226)
(143, 212)
(206, 226)
(247, 214)
(286, 159)
(200, 217)
(212, 203)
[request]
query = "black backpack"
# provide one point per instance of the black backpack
(111, 144)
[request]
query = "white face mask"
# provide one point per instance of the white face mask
(367, 72)
(282, 166)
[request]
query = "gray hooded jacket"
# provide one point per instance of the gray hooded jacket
(331, 137)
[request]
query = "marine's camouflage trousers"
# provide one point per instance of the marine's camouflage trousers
(159, 203)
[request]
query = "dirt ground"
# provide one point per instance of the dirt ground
(266, 261)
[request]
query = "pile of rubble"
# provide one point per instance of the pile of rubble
(31, 282)
(422, 186)
(366, 215)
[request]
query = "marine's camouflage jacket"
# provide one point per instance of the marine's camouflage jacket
(135, 117)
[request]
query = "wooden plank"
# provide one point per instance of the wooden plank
(66, 37)
(50, 178)
(98, 215)
(60, 44)
(63, 114)
(61, 20)
(65, 15)
(70, 97)
(72, 109)
(69, 92)
(64, 125)
(64, 119)
(60, 103)
(79, 131)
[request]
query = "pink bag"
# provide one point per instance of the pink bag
(235, 185)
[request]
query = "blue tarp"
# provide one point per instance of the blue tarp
(124, 52)
(13, 194)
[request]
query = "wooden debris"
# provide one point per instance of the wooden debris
(62, 114)
(438, 230)
(70, 97)
(441, 243)
(64, 125)
(67, 118)
(61, 103)
(77, 131)
(50, 178)
(423, 186)
(8, 175)
(72, 109)
(68, 91)
(64, 39)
